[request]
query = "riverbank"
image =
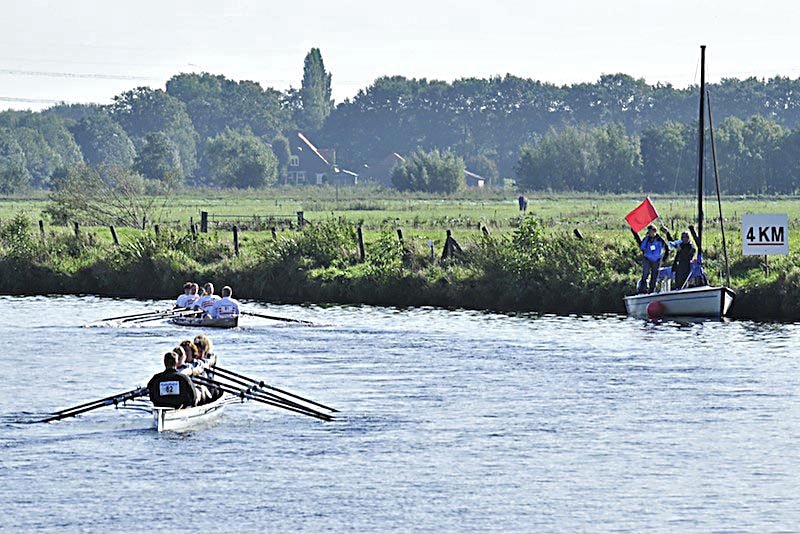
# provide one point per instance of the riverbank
(532, 269)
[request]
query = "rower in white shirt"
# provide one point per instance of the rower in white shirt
(227, 306)
(206, 302)
(182, 300)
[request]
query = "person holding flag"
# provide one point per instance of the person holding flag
(654, 248)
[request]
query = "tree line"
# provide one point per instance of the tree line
(617, 134)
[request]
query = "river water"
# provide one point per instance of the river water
(451, 421)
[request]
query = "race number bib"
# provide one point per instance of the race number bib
(652, 247)
(169, 388)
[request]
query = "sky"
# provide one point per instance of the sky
(91, 50)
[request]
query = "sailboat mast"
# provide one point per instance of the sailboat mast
(700, 151)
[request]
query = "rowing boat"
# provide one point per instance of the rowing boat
(183, 419)
(207, 322)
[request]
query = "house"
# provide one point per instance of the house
(474, 180)
(380, 171)
(309, 165)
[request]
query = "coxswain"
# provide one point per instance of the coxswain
(206, 302)
(170, 388)
(182, 300)
(227, 306)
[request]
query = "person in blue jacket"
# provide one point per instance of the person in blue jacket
(654, 248)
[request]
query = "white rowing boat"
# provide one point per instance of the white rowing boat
(704, 301)
(183, 419)
(207, 322)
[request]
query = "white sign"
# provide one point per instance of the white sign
(169, 388)
(765, 234)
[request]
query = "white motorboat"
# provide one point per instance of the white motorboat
(184, 419)
(704, 301)
(701, 300)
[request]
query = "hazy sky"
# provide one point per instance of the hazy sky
(88, 51)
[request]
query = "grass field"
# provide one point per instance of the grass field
(427, 217)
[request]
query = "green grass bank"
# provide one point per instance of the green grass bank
(531, 263)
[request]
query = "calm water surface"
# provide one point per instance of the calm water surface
(451, 421)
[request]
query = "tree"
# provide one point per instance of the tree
(619, 160)
(280, 147)
(669, 160)
(315, 93)
(40, 159)
(13, 174)
(241, 160)
(144, 110)
(159, 159)
(110, 195)
(432, 172)
(103, 141)
(215, 103)
(563, 159)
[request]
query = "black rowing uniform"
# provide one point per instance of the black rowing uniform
(172, 389)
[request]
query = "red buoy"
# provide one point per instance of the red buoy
(655, 310)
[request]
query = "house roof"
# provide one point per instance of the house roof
(311, 146)
(473, 175)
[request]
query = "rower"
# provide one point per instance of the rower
(195, 367)
(190, 302)
(206, 302)
(182, 300)
(227, 306)
(170, 388)
(204, 345)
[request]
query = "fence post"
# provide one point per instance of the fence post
(361, 252)
(448, 248)
(400, 237)
(235, 239)
(144, 222)
(274, 233)
(485, 231)
(192, 229)
(577, 233)
(204, 222)
(41, 228)
(301, 221)
(155, 227)
(77, 228)
(114, 236)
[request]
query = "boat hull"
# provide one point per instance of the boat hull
(206, 322)
(185, 419)
(704, 301)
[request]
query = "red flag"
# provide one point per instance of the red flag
(644, 214)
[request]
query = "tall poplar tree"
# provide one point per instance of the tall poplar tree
(315, 93)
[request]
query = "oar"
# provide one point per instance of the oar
(250, 395)
(276, 318)
(135, 315)
(261, 384)
(272, 396)
(166, 315)
(93, 405)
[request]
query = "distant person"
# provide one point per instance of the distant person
(654, 248)
(682, 264)
(181, 301)
(170, 388)
(225, 307)
(523, 203)
(206, 302)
